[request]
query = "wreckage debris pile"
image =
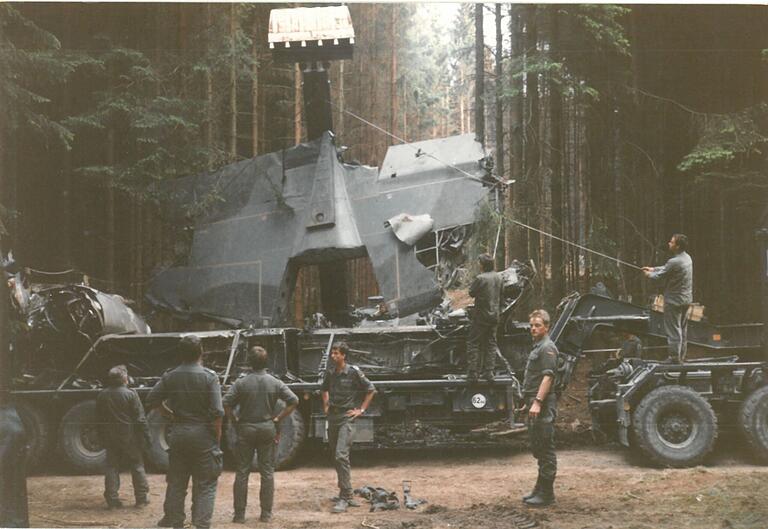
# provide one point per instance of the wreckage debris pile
(382, 499)
(416, 433)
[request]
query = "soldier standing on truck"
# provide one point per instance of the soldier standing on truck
(541, 404)
(257, 430)
(481, 343)
(341, 387)
(677, 275)
(193, 396)
(123, 430)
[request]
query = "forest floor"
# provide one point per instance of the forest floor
(598, 487)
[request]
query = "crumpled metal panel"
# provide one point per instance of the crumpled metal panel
(241, 249)
(448, 195)
(118, 317)
(310, 23)
(410, 228)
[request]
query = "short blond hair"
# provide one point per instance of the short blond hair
(542, 314)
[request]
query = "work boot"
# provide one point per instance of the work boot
(265, 517)
(535, 491)
(114, 504)
(238, 517)
(545, 496)
(165, 522)
(350, 501)
(340, 506)
(141, 502)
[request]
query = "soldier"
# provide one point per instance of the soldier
(123, 430)
(677, 275)
(257, 430)
(193, 396)
(341, 387)
(481, 343)
(541, 404)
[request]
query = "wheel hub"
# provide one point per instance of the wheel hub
(676, 429)
(90, 439)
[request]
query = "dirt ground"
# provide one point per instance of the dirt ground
(597, 487)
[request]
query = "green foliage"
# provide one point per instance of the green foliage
(596, 30)
(148, 112)
(6, 215)
(31, 63)
(424, 68)
(483, 237)
(155, 132)
(599, 240)
(602, 25)
(732, 147)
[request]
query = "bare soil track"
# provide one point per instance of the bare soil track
(597, 488)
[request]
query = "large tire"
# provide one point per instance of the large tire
(39, 433)
(753, 422)
(156, 453)
(293, 432)
(79, 440)
(675, 426)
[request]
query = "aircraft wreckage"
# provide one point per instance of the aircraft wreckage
(305, 205)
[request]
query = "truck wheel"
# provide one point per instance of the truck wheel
(157, 452)
(675, 426)
(753, 422)
(292, 436)
(39, 434)
(79, 439)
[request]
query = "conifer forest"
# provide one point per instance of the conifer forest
(620, 125)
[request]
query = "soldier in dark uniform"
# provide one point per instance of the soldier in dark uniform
(123, 430)
(341, 387)
(677, 276)
(481, 343)
(541, 404)
(193, 395)
(257, 395)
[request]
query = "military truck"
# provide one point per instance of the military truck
(418, 369)
(674, 413)
(423, 398)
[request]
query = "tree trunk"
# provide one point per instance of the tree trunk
(297, 110)
(109, 216)
(393, 75)
(232, 143)
(531, 131)
(556, 163)
(515, 234)
(208, 86)
(340, 116)
(405, 108)
(479, 75)
(255, 89)
(499, 91)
